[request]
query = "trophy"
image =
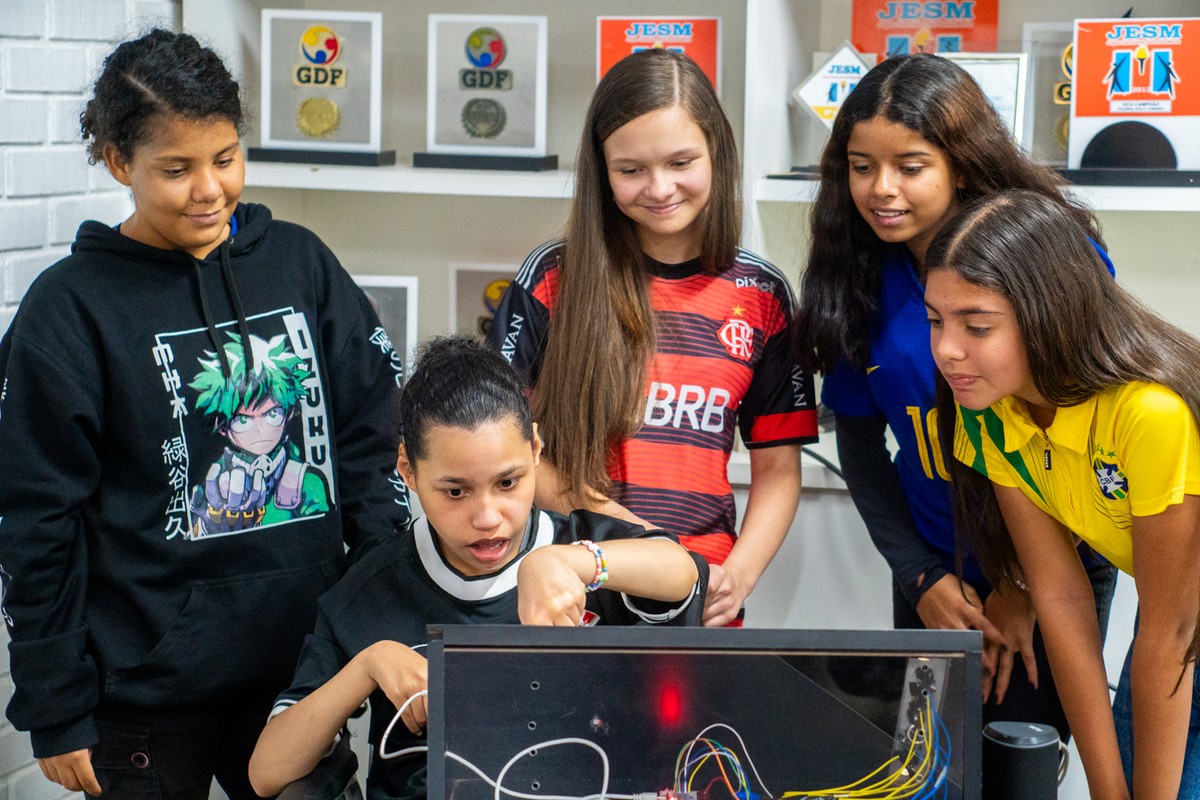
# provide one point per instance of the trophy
(322, 88)
(487, 93)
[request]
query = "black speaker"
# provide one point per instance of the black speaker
(1020, 761)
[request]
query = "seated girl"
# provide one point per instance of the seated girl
(482, 554)
(1081, 407)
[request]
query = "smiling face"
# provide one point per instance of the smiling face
(977, 344)
(476, 487)
(186, 181)
(904, 186)
(660, 171)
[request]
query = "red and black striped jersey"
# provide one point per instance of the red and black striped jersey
(724, 363)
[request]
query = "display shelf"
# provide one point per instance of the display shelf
(1099, 198)
(404, 179)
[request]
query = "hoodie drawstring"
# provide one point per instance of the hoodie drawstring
(236, 300)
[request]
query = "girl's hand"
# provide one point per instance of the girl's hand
(951, 604)
(73, 771)
(549, 589)
(400, 673)
(1012, 613)
(726, 594)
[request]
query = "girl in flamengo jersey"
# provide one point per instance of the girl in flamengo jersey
(481, 554)
(915, 139)
(1082, 408)
(648, 337)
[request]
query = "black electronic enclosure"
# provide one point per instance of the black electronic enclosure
(811, 710)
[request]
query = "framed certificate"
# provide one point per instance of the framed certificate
(1003, 78)
(486, 88)
(322, 86)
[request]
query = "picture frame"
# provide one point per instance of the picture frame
(394, 298)
(474, 294)
(467, 117)
(315, 95)
(1004, 78)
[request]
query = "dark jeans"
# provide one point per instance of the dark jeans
(174, 754)
(1022, 702)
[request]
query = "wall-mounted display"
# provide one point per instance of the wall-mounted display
(322, 87)
(699, 37)
(891, 28)
(1003, 77)
(824, 91)
(486, 93)
(475, 293)
(394, 299)
(1132, 105)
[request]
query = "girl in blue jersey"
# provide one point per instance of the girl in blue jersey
(913, 141)
(1081, 407)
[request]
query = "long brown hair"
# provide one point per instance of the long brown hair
(1033, 252)
(941, 102)
(591, 391)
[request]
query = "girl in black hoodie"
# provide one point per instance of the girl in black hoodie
(195, 424)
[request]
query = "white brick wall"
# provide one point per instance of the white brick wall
(49, 52)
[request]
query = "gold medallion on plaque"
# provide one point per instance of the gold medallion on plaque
(318, 117)
(483, 118)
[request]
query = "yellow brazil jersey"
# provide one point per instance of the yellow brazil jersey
(1129, 451)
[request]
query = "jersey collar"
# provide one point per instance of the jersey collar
(1071, 428)
(539, 532)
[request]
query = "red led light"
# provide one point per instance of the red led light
(670, 704)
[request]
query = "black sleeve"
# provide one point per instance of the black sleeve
(877, 494)
(365, 373)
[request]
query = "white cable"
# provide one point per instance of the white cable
(498, 789)
(745, 752)
(383, 754)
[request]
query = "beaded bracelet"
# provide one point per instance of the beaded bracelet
(601, 565)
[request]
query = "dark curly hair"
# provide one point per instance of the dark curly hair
(160, 73)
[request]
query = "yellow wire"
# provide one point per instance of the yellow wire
(712, 753)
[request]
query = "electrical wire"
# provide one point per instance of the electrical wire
(383, 754)
(498, 788)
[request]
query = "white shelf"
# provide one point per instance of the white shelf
(1099, 198)
(404, 179)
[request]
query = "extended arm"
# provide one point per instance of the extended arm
(551, 579)
(294, 740)
(1166, 565)
(1066, 610)
(770, 509)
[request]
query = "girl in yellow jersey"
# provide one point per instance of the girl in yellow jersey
(1081, 407)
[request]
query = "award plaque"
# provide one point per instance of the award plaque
(888, 28)
(322, 88)
(1051, 65)
(824, 91)
(1133, 106)
(487, 93)
(698, 37)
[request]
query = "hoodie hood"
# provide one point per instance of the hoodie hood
(248, 225)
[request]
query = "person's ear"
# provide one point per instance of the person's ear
(405, 467)
(537, 446)
(118, 165)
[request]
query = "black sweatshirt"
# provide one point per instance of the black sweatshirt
(173, 502)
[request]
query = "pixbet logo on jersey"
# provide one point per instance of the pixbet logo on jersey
(485, 51)
(320, 47)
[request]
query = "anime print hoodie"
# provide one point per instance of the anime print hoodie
(186, 448)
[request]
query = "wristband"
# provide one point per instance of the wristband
(601, 565)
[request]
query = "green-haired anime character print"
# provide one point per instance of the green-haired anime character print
(261, 478)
